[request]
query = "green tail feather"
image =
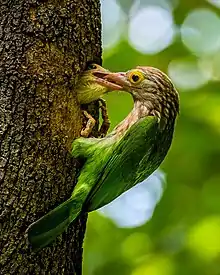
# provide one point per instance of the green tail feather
(46, 229)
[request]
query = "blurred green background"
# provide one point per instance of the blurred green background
(170, 224)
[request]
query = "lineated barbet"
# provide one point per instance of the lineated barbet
(125, 157)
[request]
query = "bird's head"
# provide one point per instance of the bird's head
(92, 84)
(148, 85)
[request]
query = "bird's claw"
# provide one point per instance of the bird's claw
(89, 124)
(91, 121)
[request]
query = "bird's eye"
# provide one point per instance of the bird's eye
(135, 76)
(92, 66)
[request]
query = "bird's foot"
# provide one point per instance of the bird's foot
(91, 121)
(106, 122)
(89, 124)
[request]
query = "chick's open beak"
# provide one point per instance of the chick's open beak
(113, 81)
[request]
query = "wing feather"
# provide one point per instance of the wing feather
(123, 163)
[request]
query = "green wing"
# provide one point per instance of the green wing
(119, 173)
(83, 147)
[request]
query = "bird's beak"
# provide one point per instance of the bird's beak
(112, 81)
(118, 79)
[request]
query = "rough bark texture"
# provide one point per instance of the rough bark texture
(44, 45)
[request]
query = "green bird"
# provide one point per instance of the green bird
(122, 159)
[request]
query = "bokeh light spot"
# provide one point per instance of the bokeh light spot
(204, 238)
(215, 3)
(158, 265)
(136, 206)
(187, 74)
(136, 246)
(111, 23)
(200, 31)
(151, 30)
(211, 64)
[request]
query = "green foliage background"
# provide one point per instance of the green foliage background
(183, 235)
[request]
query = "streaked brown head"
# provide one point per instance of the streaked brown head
(150, 86)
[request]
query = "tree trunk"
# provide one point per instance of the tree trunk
(44, 45)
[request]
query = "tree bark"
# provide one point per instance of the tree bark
(44, 45)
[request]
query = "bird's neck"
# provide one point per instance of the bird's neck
(139, 111)
(143, 108)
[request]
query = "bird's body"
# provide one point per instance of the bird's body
(122, 163)
(125, 157)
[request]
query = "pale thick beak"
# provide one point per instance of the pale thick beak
(118, 79)
(113, 81)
